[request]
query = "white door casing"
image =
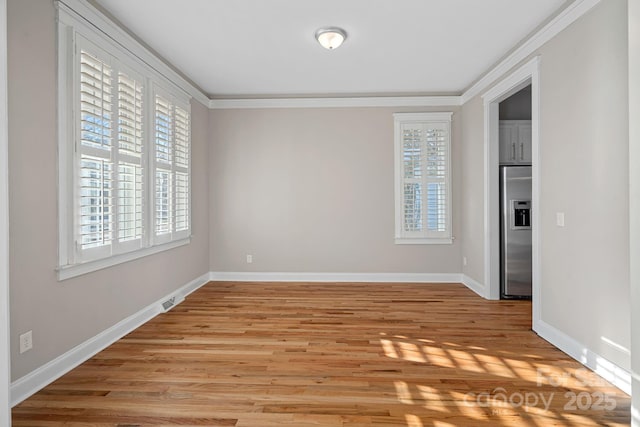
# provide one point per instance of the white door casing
(5, 378)
(517, 80)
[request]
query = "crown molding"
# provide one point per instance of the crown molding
(565, 18)
(364, 101)
(84, 10)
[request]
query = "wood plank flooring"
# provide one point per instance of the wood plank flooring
(302, 354)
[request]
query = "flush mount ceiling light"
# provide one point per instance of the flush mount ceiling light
(331, 37)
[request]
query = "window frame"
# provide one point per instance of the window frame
(74, 33)
(424, 237)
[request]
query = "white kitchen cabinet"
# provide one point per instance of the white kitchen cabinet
(515, 142)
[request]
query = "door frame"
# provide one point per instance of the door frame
(5, 365)
(634, 204)
(526, 74)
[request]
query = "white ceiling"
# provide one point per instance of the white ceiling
(263, 48)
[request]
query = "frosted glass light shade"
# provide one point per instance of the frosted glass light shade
(331, 38)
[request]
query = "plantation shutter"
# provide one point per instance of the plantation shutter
(423, 177)
(124, 141)
(172, 174)
(130, 173)
(109, 156)
(437, 188)
(95, 229)
(182, 127)
(164, 165)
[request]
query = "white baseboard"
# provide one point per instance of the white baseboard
(336, 277)
(611, 372)
(635, 401)
(474, 285)
(46, 374)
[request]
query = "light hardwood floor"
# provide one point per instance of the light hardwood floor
(300, 354)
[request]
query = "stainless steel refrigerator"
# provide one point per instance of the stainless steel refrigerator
(515, 231)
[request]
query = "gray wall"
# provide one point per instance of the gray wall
(64, 314)
(517, 106)
(584, 173)
(311, 190)
(472, 197)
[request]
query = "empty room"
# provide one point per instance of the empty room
(337, 213)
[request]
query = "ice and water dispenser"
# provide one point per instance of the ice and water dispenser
(520, 214)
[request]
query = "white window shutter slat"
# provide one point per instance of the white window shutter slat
(130, 120)
(182, 138)
(96, 202)
(95, 102)
(182, 201)
(163, 130)
(130, 206)
(164, 197)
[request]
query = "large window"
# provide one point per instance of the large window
(423, 178)
(124, 154)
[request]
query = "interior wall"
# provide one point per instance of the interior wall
(312, 190)
(584, 173)
(517, 106)
(472, 189)
(65, 314)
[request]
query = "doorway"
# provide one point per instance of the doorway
(515, 195)
(525, 75)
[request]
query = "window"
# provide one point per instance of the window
(124, 154)
(171, 156)
(423, 178)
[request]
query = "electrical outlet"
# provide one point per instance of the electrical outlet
(464, 260)
(560, 219)
(26, 341)
(249, 259)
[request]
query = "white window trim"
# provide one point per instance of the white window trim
(400, 236)
(69, 271)
(70, 24)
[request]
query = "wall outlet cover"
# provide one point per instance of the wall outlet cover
(26, 341)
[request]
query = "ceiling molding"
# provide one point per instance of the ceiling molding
(96, 18)
(565, 18)
(364, 101)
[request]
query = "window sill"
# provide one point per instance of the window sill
(423, 241)
(69, 271)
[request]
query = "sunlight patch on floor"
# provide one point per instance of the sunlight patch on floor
(403, 393)
(413, 421)
(432, 398)
(411, 352)
(388, 348)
